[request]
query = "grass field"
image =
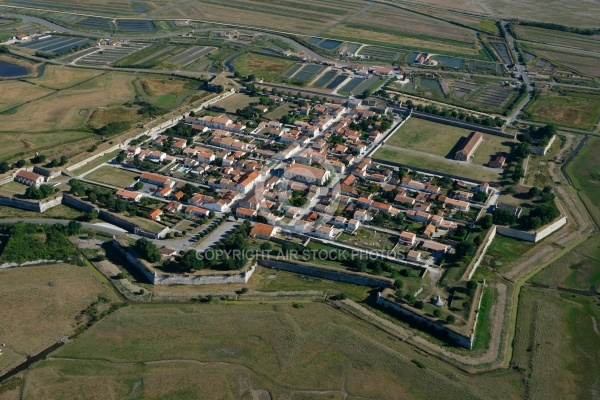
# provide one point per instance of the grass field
(389, 25)
(40, 305)
(441, 165)
(263, 67)
(286, 350)
(578, 270)
(70, 108)
(564, 368)
(98, 161)
(20, 92)
(534, 34)
(57, 212)
(505, 251)
(582, 170)
(238, 100)
(113, 176)
(573, 110)
(12, 188)
(57, 122)
(61, 77)
(441, 139)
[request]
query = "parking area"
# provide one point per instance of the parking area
(218, 234)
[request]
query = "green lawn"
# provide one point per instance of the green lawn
(113, 176)
(441, 139)
(483, 331)
(12, 188)
(505, 250)
(443, 166)
(98, 161)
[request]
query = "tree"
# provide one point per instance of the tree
(486, 221)
(534, 192)
(437, 313)
(73, 228)
(20, 164)
(4, 167)
(504, 217)
(40, 158)
(451, 319)
(191, 261)
(251, 78)
(138, 185)
(63, 160)
(419, 304)
(521, 150)
(120, 158)
(266, 246)
(147, 250)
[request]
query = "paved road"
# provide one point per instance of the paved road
(512, 46)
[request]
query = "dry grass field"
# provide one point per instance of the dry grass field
(575, 110)
(399, 19)
(263, 67)
(61, 77)
(57, 122)
(16, 145)
(104, 115)
(70, 108)
(225, 350)
(20, 92)
(238, 100)
(565, 368)
(40, 305)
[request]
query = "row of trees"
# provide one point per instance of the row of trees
(42, 192)
(460, 115)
